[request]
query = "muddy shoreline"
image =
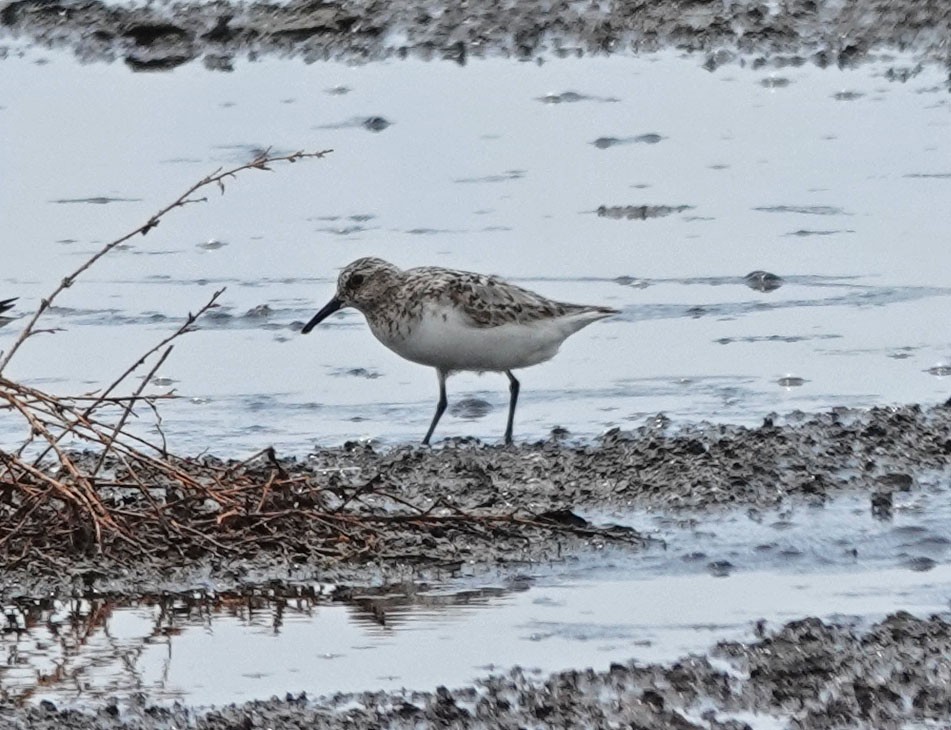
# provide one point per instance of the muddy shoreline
(466, 509)
(811, 674)
(163, 36)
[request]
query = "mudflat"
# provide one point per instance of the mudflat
(162, 36)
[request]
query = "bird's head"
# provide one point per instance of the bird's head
(360, 285)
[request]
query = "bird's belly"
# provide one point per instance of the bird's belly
(442, 340)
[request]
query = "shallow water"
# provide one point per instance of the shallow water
(834, 181)
(837, 560)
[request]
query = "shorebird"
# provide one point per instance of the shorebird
(5, 306)
(457, 320)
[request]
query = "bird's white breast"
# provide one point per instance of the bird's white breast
(444, 338)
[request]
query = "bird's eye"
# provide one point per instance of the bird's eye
(356, 280)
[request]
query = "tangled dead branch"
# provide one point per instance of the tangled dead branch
(186, 509)
(82, 483)
(44, 476)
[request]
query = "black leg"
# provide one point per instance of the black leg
(440, 406)
(513, 389)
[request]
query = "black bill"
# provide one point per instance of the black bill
(329, 308)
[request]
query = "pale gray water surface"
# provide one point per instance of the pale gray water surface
(836, 181)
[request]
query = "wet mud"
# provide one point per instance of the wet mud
(413, 512)
(808, 674)
(162, 36)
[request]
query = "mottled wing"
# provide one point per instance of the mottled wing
(488, 301)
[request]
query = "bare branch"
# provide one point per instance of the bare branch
(184, 199)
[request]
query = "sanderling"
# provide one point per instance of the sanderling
(457, 320)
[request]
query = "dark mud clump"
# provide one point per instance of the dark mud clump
(639, 212)
(809, 675)
(152, 37)
(763, 281)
